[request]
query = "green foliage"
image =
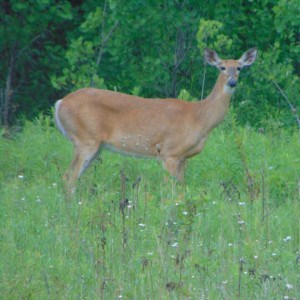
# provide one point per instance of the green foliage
(210, 35)
(49, 49)
(261, 101)
(232, 229)
(29, 53)
(287, 25)
(185, 95)
(81, 57)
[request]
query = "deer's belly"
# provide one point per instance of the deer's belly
(129, 150)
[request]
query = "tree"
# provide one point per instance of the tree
(132, 38)
(146, 47)
(25, 37)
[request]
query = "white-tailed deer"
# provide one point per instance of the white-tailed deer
(172, 129)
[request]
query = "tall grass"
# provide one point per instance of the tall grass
(231, 232)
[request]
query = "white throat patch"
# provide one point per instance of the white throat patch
(228, 90)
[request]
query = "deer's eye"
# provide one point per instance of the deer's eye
(223, 68)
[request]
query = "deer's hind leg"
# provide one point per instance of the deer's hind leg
(84, 153)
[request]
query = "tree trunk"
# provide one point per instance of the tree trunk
(7, 96)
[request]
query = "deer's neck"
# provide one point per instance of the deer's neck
(221, 92)
(216, 105)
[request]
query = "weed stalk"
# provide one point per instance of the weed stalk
(241, 262)
(123, 205)
(251, 187)
(240, 250)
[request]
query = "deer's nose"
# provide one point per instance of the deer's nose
(232, 82)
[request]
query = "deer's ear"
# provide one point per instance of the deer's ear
(212, 57)
(248, 57)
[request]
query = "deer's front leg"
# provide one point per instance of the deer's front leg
(175, 167)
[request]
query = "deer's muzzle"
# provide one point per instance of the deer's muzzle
(232, 82)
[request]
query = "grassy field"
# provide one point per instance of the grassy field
(232, 231)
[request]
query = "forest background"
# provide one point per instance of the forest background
(148, 48)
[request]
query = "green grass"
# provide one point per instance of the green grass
(231, 232)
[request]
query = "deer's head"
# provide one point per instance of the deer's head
(230, 68)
